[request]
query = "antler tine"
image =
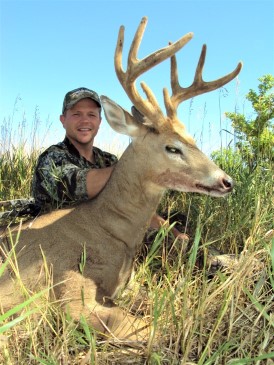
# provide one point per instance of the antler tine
(127, 79)
(198, 87)
(135, 67)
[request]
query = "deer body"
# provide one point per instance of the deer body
(110, 228)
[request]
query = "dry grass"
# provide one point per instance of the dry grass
(197, 317)
(226, 318)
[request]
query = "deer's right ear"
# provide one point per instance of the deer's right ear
(120, 120)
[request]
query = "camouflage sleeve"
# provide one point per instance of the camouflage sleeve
(58, 181)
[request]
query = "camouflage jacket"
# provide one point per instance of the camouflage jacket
(60, 175)
(59, 181)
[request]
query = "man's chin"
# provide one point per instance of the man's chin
(82, 140)
(85, 138)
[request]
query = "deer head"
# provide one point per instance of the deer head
(177, 163)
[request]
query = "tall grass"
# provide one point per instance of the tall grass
(203, 319)
(19, 148)
(16, 171)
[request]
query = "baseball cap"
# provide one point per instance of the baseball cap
(73, 96)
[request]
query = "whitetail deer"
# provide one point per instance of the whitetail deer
(111, 227)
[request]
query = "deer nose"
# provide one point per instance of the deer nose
(228, 183)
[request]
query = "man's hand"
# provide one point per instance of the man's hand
(97, 179)
(157, 222)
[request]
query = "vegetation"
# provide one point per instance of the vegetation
(203, 317)
(255, 137)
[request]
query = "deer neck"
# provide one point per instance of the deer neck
(129, 200)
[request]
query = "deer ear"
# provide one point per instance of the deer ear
(120, 120)
(137, 115)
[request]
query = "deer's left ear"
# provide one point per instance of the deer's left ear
(120, 120)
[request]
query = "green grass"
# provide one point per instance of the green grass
(16, 173)
(203, 319)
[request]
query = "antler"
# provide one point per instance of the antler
(135, 67)
(198, 87)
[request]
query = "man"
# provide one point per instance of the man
(75, 170)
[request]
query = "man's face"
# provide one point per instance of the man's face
(82, 122)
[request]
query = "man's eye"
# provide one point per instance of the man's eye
(173, 150)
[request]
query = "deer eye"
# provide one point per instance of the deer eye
(173, 150)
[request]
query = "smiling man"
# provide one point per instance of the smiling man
(73, 170)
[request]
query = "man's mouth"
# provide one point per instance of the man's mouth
(85, 129)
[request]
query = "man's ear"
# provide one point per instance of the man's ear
(120, 120)
(62, 119)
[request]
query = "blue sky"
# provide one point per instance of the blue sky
(50, 47)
